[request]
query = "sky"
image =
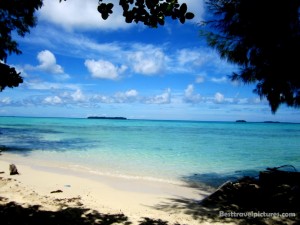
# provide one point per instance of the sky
(75, 64)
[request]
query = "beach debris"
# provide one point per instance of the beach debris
(13, 169)
(57, 191)
(2, 172)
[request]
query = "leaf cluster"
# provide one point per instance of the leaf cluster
(9, 77)
(149, 12)
(15, 15)
(263, 39)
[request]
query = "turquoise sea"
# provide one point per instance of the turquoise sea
(203, 152)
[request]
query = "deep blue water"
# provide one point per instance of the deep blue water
(169, 150)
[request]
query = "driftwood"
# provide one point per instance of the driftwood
(13, 169)
(57, 191)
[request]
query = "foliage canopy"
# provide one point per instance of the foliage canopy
(15, 15)
(149, 12)
(263, 39)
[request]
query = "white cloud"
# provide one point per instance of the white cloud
(163, 98)
(78, 96)
(48, 62)
(43, 85)
(104, 69)
(66, 97)
(119, 97)
(207, 59)
(53, 100)
(189, 95)
(190, 56)
(144, 59)
(189, 90)
(5, 101)
(219, 80)
(147, 60)
(81, 14)
(219, 98)
(131, 93)
(101, 99)
(128, 96)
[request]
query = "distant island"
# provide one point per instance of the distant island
(244, 121)
(107, 118)
(241, 121)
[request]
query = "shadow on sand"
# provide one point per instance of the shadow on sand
(14, 214)
(271, 198)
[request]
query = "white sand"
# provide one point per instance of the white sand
(136, 198)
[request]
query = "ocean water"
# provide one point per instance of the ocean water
(203, 152)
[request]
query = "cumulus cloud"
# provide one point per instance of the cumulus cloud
(125, 97)
(66, 97)
(81, 15)
(219, 98)
(163, 98)
(48, 62)
(53, 100)
(104, 69)
(147, 60)
(189, 95)
(78, 96)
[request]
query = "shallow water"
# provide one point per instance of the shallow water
(208, 152)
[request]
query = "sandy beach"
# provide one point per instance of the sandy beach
(58, 189)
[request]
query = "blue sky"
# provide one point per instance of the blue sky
(75, 64)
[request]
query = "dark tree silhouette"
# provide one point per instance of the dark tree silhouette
(9, 77)
(263, 38)
(15, 15)
(149, 12)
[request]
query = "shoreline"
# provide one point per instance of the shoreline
(87, 171)
(136, 198)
